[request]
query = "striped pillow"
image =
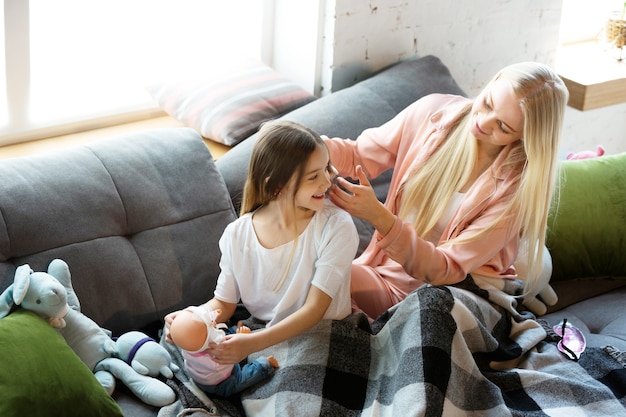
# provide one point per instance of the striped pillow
(230, 105)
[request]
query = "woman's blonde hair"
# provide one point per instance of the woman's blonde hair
(543, 97)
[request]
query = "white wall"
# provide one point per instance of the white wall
(584, 130)
(473, 39)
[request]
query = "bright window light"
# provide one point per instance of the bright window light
(3, 84)
(92, 58)
(583, 20)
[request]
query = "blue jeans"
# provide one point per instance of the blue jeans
(241, 378)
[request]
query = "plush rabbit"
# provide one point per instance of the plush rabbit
(586, 154)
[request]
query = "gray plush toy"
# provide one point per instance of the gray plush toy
(52, 297)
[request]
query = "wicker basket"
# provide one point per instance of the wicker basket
(616, 30)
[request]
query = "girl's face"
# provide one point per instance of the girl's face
(318, 174)
(497, 117)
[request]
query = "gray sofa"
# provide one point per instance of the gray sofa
(138, 217)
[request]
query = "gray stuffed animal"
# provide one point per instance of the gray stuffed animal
(52, 297)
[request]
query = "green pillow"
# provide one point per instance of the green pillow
(40, 375)
(587, 229)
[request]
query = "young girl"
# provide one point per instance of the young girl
(288, 256)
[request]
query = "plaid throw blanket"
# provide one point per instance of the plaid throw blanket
(451, 351)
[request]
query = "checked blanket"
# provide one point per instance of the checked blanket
(443, 351)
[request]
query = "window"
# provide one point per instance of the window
(589, 65)
(584, 20)
(75, 60)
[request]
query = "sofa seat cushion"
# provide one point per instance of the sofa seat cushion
(602, 319)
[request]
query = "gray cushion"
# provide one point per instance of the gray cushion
(136, 217)
(601, 319)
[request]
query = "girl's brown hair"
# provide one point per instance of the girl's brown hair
(281, 150)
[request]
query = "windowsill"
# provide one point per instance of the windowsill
(594, 76)
(70, 140)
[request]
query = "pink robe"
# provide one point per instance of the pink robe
(394, 265)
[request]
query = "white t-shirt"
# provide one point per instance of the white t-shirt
(443, 222)
(323, 258)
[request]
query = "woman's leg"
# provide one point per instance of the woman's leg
(376, 289)
(370, 292)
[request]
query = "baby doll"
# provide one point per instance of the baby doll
(192, 330)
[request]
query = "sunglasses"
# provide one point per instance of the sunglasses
(572, 343)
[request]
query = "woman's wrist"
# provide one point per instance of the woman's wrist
(383, 220)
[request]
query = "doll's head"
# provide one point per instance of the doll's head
(194, 328)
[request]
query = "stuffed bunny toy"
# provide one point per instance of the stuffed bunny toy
(50, 295)
(586, 154)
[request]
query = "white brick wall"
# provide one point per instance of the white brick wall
(473, 38)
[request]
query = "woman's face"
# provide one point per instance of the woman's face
(497, 115)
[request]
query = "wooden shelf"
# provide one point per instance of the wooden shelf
(593, 75)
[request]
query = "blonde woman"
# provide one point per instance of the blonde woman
(287, 257)
(472, 185)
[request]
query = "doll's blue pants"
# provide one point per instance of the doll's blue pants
(241, 378)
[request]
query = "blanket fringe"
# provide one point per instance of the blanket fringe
(616, 354)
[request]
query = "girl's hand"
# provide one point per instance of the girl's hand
(233, 349)
(168, 321)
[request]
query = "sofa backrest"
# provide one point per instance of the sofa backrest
(348, 112)
(137, 218)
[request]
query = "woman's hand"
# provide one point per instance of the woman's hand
(360, 201)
